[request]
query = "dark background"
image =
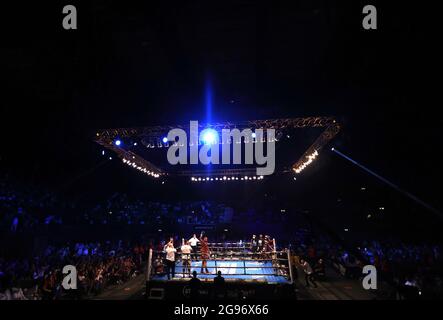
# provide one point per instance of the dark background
(139, 64)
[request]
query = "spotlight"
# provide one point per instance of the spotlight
(209, 136)
(165, 139)
(117, 142)
(254, 135)
(135, 144)
(224, 178)
(332, 149)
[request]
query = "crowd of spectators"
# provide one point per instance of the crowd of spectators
(412, 267)
(412, 270)
(119, 208)
(98, 265)
(23, 208)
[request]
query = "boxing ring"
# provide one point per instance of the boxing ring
(235, 260)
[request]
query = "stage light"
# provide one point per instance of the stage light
(110, 158)
(224, 178)
(103, 152)
(254, 135)
(165, 139)
(135, 144)
(209, 136)
(332, 149)
(117, 142)
(311, 158)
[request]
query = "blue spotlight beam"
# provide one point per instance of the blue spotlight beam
(389, 183)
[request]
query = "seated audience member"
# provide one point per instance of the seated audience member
(219, 286)
(194, 285)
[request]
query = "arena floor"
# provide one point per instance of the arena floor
(232, 269)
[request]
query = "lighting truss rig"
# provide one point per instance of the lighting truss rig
(152, 136)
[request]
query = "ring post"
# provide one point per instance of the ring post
(215, 265)
(148, 267)
(290, 265)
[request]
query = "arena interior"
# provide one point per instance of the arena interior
(351, 208)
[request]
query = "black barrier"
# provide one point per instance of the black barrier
(237, 290)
